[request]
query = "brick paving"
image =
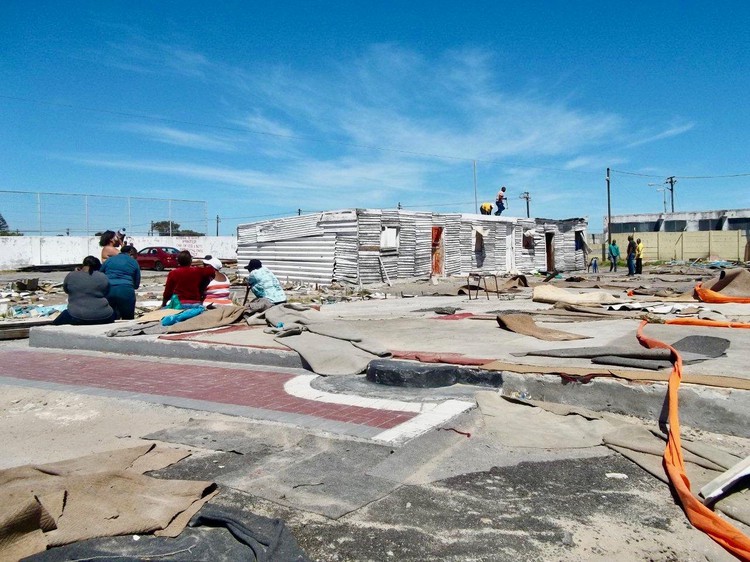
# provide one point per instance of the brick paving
(261, 390)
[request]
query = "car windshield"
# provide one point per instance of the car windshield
(171, 250)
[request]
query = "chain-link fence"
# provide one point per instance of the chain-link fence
(75, 214)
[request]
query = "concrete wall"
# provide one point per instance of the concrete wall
(23, 251)
(732, 245)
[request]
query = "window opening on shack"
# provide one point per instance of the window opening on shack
(580, 242)
(389, 237)
(528, 240)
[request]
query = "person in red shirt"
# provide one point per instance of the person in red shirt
(187, 282)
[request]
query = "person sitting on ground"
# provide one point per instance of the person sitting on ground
(264, 284)
(217, 291)
(87, 296)
(187, 282)
(485, 208)
(110, 243)
(124, 276)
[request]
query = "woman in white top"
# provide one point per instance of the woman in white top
(217, 291)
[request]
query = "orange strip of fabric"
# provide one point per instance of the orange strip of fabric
(706, 323)
(707, 295)
(698, 514)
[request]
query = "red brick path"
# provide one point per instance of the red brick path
(241, 387)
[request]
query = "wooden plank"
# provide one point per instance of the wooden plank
(712, 491)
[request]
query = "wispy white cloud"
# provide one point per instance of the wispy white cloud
(144, 56)
(672, 131)
(387, 124)
(178, 137)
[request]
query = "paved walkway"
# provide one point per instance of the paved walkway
(258, 394)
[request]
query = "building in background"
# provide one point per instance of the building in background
(695, 221)
(688, 236)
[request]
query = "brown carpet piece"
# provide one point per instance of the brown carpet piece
(732, 283)
(524, 324)
(99, 495)
(703, 463)
(522, 424)
(551, 294)
(625, 374)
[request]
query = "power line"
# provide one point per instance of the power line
(713, 177)
(741, 175)
(635, 174)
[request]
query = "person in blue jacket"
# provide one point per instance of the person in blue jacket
(124, 276)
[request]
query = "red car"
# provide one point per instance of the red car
(157, 257)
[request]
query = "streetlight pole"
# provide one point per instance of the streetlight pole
(660, 188)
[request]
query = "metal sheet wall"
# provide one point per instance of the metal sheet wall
(345, 245)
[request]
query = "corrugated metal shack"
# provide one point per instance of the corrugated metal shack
(373, 245)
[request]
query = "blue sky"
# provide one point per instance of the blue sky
(263, 108)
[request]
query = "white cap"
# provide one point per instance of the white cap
(213, 262)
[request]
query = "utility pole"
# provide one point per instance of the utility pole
(218, 220)
(671, 181)
(526, 195)
(609, 212)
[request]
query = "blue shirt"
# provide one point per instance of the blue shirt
(264, 284)
(122, 269)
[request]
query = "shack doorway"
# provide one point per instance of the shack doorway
(438, 251)
(549, 246)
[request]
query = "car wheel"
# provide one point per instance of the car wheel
(158, 266)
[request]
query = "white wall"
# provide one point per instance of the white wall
(23, 251)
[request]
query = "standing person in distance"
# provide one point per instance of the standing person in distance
(500, 201)
(614, 255)
(639, 256)
(631, 255)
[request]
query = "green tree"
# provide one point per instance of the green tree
(163, 229)
(5, 230)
